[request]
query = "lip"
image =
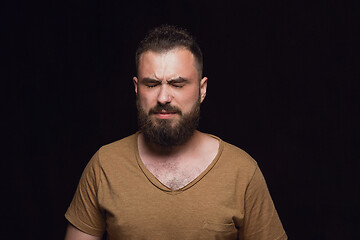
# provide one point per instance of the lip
(165, 115)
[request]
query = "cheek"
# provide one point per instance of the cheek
(188, 99)
(147, 100)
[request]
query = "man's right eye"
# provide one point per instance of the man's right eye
(151, 85)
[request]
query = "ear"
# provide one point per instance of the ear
(203, 86)
(135, 81)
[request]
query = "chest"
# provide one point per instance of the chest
(175, 175)
(193, 214)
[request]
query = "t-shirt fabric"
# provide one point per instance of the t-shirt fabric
(119, 195)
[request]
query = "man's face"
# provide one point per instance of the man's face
(169, 94)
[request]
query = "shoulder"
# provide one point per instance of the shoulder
(236, 158)
(238, 154)
(118, 152)
(234, 166)
(127, 143)
(235, 153)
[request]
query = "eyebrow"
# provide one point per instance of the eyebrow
(175, 80)
(146, 79)
(178, 80)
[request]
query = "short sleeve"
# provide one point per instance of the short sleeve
(84, 211)
(261, 220)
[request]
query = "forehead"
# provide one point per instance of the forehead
(178, 62)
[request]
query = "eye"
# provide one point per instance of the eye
(151, 85)
(178, 82)
(177, 85)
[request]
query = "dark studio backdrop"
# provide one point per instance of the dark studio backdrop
(282, 86)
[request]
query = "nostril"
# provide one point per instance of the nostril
(164, 96)
(164, 99)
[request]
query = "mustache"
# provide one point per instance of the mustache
(166, 108)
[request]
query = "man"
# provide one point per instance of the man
(170, 181)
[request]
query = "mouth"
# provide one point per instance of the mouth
(165, 114)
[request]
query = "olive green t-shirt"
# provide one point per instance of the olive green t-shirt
(229, 200)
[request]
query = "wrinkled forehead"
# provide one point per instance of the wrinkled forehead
(178, 62)
(175, 58)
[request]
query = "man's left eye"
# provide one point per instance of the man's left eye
(177, 85)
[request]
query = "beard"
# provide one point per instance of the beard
(167, 132)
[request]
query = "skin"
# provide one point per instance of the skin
(73, 233)
(168, 78)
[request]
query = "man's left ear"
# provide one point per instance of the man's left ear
(203, 86)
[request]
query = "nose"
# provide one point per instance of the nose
(164, 96)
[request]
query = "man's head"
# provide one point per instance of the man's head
(168, 88)
(166, 38)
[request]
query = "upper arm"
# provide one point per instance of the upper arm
(72, 233)
(84, 211)
(261, 220)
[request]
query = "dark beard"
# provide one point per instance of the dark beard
(161, 131)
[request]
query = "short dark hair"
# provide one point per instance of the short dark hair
(167, 37)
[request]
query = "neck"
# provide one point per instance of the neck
(161, 151)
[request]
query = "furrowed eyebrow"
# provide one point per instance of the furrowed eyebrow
(171, 81)
(177, 80)
(150, 80)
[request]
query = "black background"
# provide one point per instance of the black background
(282, 85)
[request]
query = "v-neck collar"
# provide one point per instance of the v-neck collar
(159, 184)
